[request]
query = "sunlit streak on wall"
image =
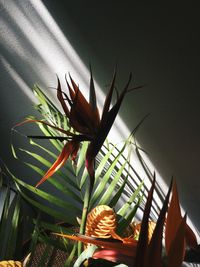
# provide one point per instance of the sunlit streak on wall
(43, 34)
(19, 81)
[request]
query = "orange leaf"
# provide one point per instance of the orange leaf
(176, 251)
(68, 149)
(128, 249)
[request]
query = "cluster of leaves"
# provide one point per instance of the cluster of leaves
(68, 135)
(71, 181)
(14, 234)
(145, 253)
(10, 221)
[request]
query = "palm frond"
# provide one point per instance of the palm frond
(10, 224)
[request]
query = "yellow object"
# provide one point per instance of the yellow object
(137, 228)
(101, 222)
(10, 263)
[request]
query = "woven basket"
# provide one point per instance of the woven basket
(59, 257)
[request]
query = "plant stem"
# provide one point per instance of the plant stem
(84, 214)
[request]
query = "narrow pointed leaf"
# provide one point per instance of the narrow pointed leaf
(81, 157)
(62, 158)
(174, 218)
(44, 123)
(111, 187)
(123, 210)
(102, 183)
(103, 161)
(46, 131)
(104, 129)
(143, 237)
(118, 194)
(126, 249)
(191, 239)
(83, 178)
(3, 221)
(67, 175)
(74, 211)
(108, 101)
(61, 182)
(43, 99)
(177, 248)
(93, 101)
(61, 99)
(155, 247)
(14, 228)
(83, 108)
(125, 222)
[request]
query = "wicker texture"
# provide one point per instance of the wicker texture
(56, 257)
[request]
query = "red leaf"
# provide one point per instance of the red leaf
(83, 107)
(174, 218)
(107, 102)
(61, 99)
(143, 237)
(155, 246)
(79, 121)
(89, 163)
(190, 237)
(93, 101)
(107, 122)
(114, 255)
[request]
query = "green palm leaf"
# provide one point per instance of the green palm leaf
(4, 221)
(110, 191)
(102, 182)
(48, 210)
(10, 224)
(127, 205)
(14, 229)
